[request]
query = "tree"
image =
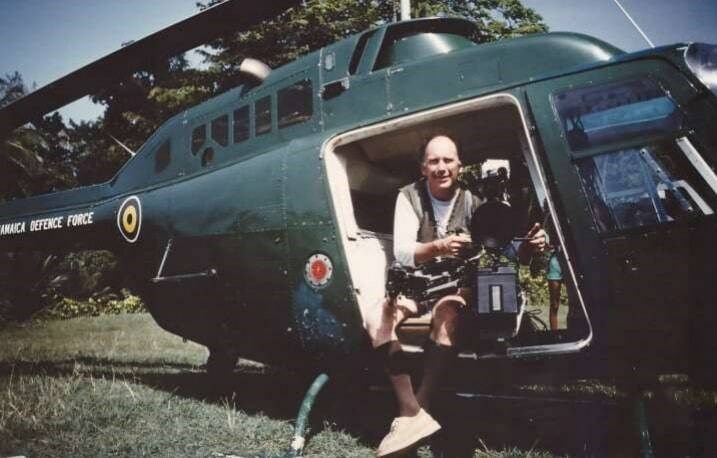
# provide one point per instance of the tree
(34, 159)
(135, 108)
(321, 22)
(12, 87)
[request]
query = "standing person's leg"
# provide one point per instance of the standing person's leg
(554, 275)
(554, 287)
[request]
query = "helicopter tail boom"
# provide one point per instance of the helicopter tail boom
(79, 218)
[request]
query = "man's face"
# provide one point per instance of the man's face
(441, 166)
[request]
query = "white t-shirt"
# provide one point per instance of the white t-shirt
(406, 224)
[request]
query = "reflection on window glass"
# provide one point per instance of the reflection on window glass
(596, 115)
(207, 157)
(198, 136)
(220, 130)
(241, 124)
(162, 157)
(295, 103)
(645, 186)
(262, 111)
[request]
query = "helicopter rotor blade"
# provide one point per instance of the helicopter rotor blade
(232, 15)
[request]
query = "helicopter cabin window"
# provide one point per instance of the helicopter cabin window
(262, 111)
(598, 115)
(162, 157)
(199, 135)
(241, 124)
(295, 103)
(220, 130)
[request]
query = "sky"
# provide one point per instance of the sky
(46, 39)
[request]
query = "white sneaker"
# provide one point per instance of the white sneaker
(406, 431)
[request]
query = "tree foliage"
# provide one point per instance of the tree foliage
(321, 22)
(12, 87)
(34, 159)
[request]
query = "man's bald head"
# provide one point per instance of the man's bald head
(438, 143)
(440, 165)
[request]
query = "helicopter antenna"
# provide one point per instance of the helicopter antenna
(634, 23)
(405, 10)
(125, 147)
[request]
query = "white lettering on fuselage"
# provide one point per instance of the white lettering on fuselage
(79, 219)
(46, 224)
(12, 228)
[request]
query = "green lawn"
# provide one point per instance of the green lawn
(120, 386)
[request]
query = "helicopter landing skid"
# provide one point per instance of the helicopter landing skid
(639, 409)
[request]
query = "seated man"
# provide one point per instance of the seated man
(428, 214)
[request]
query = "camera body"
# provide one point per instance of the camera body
(497, 301)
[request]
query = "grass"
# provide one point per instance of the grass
(129, 338)
(120, 386)
(78, 415)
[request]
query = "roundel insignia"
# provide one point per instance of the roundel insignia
(318, 270)
(129, 218)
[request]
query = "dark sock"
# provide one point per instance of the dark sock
(437, 359)
(394, 359)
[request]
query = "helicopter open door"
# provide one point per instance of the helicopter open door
(645, 204)
(365, 169)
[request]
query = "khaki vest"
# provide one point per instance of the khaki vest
(458, 221)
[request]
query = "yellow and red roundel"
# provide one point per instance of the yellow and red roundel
(129, 218)
(318, 270)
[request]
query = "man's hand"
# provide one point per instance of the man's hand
(452, 245)
(537, 239)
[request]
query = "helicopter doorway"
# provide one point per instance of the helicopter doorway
(367, 167)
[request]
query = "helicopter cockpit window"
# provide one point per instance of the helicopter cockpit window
(597, 115)
(220, 130)
(358, 51)
(643, 186)
(262, 111)
(199, 135)
(162, 157)
(241, 124)
(295, 103)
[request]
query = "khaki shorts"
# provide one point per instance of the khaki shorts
(386, 316)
